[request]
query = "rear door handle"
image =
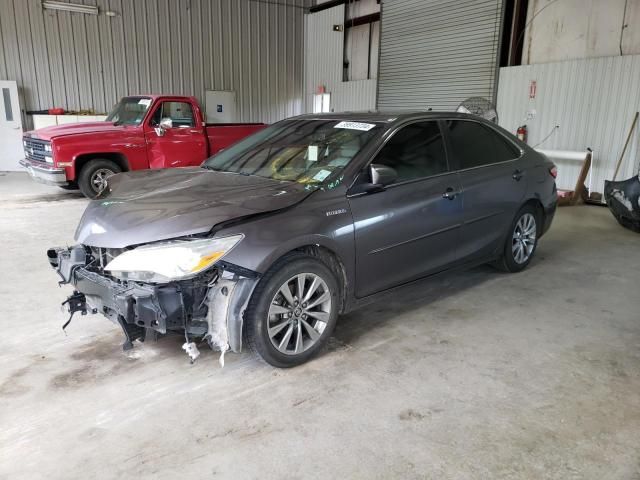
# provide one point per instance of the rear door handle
(450, 193)
(517, 175)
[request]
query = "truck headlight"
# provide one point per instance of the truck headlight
(47, 147)
(163, 262)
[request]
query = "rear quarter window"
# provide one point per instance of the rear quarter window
(475, 145)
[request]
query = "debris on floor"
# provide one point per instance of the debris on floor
(623, 199)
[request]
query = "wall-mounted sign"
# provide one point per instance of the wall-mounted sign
(533, 87)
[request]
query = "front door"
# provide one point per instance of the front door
(182, 144)
(10, 127)
(411, 228)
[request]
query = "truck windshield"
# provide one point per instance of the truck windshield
(302, 151)
(129, 111)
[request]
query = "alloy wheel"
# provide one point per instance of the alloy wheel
(99, 179)
(299, 313)
(524, 238)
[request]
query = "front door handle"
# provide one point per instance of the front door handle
(450, 193)
(517, 175)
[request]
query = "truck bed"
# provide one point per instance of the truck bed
(223, 135)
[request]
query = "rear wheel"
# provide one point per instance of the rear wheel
(292, 311)
(521, 242)
(94, 174)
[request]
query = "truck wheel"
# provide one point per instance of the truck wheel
(292, 311)
(94, 174)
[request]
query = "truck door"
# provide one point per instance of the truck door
(174, 136)
(10, 127)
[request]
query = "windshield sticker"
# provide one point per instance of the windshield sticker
(321, 175)
(312, 153)
(145, 102)
(365, 127)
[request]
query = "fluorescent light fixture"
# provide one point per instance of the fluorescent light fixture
(70, 7)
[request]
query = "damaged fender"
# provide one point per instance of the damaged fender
(202, 307)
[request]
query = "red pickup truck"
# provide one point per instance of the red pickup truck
(145, 131)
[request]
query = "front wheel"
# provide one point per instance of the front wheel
(292, 311)
(521, 241)
(94, 174)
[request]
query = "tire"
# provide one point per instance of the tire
(268, 312)
(521, 243)
(88, 180)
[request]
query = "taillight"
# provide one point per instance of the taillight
(553, 171)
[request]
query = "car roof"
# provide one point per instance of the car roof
(387, 117)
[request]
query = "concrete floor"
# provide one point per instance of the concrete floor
(475, 375)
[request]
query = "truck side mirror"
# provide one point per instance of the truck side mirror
(164, 124)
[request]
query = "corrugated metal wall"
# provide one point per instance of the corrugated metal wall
(78, 61)
(436, 53)
(592, 100)
(324, 51)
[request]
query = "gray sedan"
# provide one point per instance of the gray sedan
(269, 241)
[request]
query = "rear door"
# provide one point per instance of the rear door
(10, 127)
(494, 183)
(183, 144)
(410, 229)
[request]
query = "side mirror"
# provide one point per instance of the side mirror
(164, 124)
(381, 175)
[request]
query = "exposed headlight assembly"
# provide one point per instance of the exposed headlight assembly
(47, 147)
(164, 262)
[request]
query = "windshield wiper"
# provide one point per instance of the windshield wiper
(214, 169)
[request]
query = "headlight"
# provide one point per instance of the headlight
(173, 260)
(47, 147)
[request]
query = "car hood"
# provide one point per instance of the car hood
(151, 205)
(47, 133)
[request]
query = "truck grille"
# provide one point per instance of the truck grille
(34, 150)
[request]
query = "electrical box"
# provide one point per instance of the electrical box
(220, 106)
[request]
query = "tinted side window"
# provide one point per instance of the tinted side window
(475, 145)
(415, 151)
(180, 113)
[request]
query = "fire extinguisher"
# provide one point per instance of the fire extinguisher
(522, 133)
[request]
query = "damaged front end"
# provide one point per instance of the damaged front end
(207, 305)
(623, 199)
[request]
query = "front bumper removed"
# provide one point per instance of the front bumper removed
(203, 308)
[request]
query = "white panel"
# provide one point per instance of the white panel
(220, 106)
(375, 49)
(592, 100)
(324, 50)
(436, 53)
(357, 52)
(324, 63)
(42, 121)
(356, 96)
(573, 29)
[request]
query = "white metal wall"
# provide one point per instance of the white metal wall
(436, 53)
(572, 29)
(324, 50)
(78, 61)
(592, 100)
